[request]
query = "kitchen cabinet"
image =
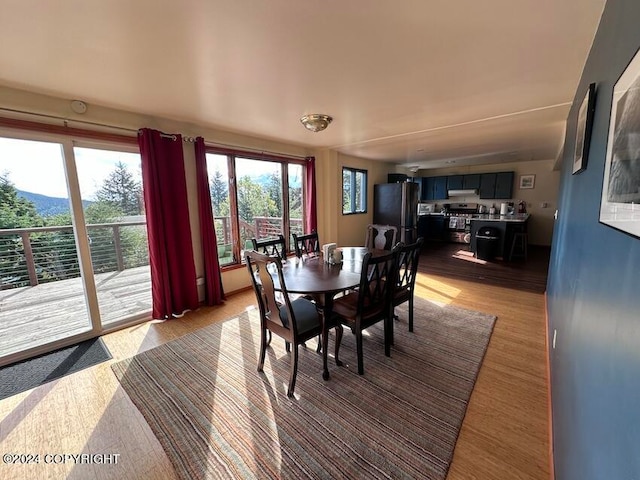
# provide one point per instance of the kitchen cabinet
(455, 182)
(487, 185)
(434, 188)
(432, 227)
(471, 181)
(496, 185)
(396, 178)
(504, 185)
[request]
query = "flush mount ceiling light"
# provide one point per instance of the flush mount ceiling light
(316, 122)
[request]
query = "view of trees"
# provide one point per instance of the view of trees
(55, 251)
(122, 191)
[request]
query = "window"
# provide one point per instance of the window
(354, 191)
(253, 197)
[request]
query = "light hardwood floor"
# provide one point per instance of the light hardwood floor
(504, 434)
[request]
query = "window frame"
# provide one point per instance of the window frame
(352, 194)
(284, 161)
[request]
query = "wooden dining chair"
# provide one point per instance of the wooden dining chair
(370, 303)
(295, 320)
(382, 237)
(307, 245)
(271, 246)
(406, 272)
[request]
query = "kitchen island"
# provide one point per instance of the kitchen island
(506, 226)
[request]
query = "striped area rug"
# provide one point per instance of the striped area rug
(217, 417)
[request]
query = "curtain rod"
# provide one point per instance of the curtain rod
(185, 138)
(254, 150)
(64, 119)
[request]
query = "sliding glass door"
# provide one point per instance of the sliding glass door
(42, 296)
(73, 244)
(111, 191)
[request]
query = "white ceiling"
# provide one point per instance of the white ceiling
(414, 82)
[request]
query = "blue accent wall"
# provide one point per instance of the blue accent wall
(594, 289)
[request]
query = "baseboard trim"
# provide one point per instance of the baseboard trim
(552, 474)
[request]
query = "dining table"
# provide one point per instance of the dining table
(322, 281)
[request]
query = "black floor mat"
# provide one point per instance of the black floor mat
(30, 373)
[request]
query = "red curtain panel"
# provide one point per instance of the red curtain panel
(214, 294)
(311, 217)
(173, 273)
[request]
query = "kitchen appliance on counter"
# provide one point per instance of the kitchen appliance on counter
(426, 208)
(397, 204)
(459, 221)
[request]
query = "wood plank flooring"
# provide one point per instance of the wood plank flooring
(504, 434)
(34, 316)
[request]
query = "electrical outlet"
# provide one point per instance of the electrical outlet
(544, 205)
(555, 335)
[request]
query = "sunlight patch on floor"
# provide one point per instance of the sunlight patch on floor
(468, 256)
(435, 290)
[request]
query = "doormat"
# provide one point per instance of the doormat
(33, 372)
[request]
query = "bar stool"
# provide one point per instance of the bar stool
(519, 245)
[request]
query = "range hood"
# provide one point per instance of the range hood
(462, 193)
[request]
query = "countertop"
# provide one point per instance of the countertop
(516, 217)
(486, 217)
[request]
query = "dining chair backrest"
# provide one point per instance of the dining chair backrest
(370, 303)
(408, 259)
(376, 283)
(262, 282)
(308, 244)
(382, 237)
(273, 246)
(407, 269)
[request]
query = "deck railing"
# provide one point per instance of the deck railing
(34, 255)
(30, 256)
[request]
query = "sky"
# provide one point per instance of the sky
(38, 167)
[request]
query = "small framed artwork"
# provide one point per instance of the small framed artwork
(620, 201)
(527, 181)
(583, 129)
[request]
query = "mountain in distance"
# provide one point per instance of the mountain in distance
(264, 179)
(49, 206)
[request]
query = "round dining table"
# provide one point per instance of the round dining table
(312, 276)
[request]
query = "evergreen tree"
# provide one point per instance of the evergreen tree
(120, 189)
(16, 212)
(274, 189)
(219, 190)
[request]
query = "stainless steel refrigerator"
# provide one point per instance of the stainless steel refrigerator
(397, 204)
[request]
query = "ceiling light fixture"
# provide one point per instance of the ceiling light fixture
(316, 122)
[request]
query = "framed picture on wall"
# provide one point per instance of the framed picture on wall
(583, 129)
(620, 202)
(527, 181)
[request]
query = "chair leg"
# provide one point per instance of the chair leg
(269, 339)
(359, 352)
(263, 348)
(411, 313)
(287, 346)
(294, 370)
(339, 331)
(319, 347)
(388, 335)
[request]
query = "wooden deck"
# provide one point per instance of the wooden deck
(33, 316)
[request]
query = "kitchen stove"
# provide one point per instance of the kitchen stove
(459, 221)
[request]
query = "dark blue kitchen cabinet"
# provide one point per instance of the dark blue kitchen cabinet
(504, 185)
(487, 185)
(471, 182)
(496, 185)
(455, 182)
(433, 188)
